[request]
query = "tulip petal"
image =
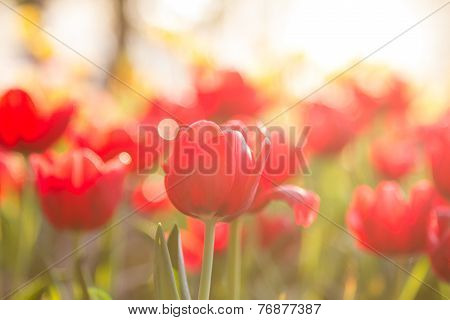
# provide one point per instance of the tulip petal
(304, 203)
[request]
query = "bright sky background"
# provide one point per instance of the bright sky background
(251, 35)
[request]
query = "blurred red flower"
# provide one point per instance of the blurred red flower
(331, 129)
(437, 144)
(392, 101)
(284, 161)
(395, 155)
(12, 172)
(396, 101)
(25, 128)
(160, 109)
(225, 94)
(213, 171)
(304, 203)
(384, 221)
(108, 143)
(193, 240)
(439, 242)
(78, 190)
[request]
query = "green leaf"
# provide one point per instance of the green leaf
(164, 277)
(413, 284)
(176, 256)
(98, 294)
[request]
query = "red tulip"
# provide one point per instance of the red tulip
(331, 129)
(284, 161)
(439, 242)
(12, 172)
(193, 241)
(304, 203)
(78, 190)
(112, 142)
(394, 156)
(392, 100)
(397, 98)
(438, 148)
(24, 128)
(213, 171)
(107, 144)
(383, 221)
(225, 95)
(150, 196)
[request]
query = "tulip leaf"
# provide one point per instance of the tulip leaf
(415, 281)
(166, 287)
(176, 256)
(98, 294)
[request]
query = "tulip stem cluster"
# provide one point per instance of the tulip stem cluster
(207, 263)
(234, 259)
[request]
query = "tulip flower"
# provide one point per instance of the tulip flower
(78, 191)
(25, 128)
(331, 129)
(213, 174)
(304, 203)
(285, 161)
(394, 156)
(437, 144)
(193, 238)
(439, 242)
(110, 143)
(383, 221)
(398, 97)
(392, 100)
(225, 95)
(107, 144)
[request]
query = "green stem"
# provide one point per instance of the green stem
(207, 264)
(413, 284)
(234, 259)
(23, 217)
(78, 268)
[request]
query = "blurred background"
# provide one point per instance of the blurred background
(285, 48)
(305, 40)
